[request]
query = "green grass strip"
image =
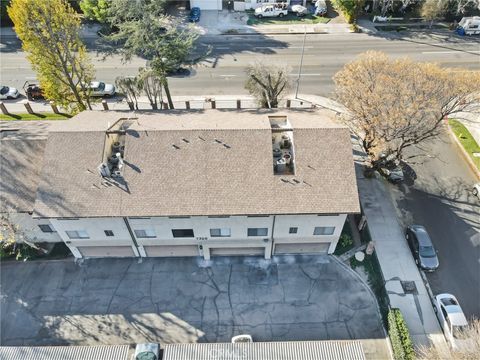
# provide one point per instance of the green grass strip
(36, 116)
(466, 139)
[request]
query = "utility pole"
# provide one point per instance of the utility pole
(301, 63)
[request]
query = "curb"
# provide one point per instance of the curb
(464, 153)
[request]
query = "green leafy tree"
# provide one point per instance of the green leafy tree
(349, 8)
(164, 41)
(49, 31)
(96, 9)
(267, 83)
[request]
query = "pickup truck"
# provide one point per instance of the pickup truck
(274, 10)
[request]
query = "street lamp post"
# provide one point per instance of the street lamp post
(301, 63)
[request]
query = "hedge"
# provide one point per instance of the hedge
(399, 336)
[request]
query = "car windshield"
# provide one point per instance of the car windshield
(4, 90)
(101, 86)
(427, 251)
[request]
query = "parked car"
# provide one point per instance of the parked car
(245, 338)
(33, 91)
(8, 93)
(391, 168)
(422, 248)
(194, 14)
(300, 10)
(469, 26)
(476, 190)
(273, 10)
(320, 8)
(452, 320)
(100, 89)
(148, 351)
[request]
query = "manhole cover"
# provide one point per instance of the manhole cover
(409, 287)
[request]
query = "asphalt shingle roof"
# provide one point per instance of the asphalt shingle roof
(200, 176)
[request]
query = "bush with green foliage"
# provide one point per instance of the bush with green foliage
(349, 8)
(399, 336)
(95, 9)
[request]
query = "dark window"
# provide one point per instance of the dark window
(46, 228)
(293, 230)
(179, 233)
(147, 233)
(257, 232)
(108, 232)
(324, 230)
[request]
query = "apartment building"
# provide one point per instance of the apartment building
(191, 183)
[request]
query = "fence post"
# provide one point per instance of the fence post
(3, 108)
(239, 104)
(130, 105)
(28, 107)
(165, 105)
(187, 104)
(214, 104)
(289, 103)
(54, 107)
(105, 104)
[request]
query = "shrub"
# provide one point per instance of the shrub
(399, 336)
(349, 8)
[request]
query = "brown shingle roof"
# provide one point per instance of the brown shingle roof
(202, 177)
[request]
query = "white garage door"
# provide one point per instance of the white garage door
(106, 251)
(173, 250)
(207, 4)
(303, 248)
(237, 251)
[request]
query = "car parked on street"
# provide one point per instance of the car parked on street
(194, 14)
(422, 248)
(8, 93)
(320, 8)
(273, 10)
(300, 10)
(452, 320)
(101, 89)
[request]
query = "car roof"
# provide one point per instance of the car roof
(422, 235)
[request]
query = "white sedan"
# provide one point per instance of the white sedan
(452, 319)
(100, 89)
(7, 93)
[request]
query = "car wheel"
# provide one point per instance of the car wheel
(416, 261)
(475, 191)
(280, 15)
(407, 236)
(259, 16)
(9, 98)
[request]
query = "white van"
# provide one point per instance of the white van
(469, 26)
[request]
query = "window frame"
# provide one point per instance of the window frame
(323, 232)
(250, 231)
(229, 231)
(183, 236)
(152, 231)
(78, 236)
(50, 228)
(293, 230)
(107, 233)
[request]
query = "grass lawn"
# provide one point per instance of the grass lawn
(466, 139)
(288, 19)
(36, 116)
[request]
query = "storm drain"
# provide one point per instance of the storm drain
(409, 287)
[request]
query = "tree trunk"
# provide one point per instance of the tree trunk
(167, 92)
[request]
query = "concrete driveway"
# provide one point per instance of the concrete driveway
(118, 301)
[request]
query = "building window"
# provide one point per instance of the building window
(146, 233)
(257, 232)
(108, 232)
(293, 230)
(46, 228)
(223, 232)
(78, 234)
(324, 230)
(182, 233)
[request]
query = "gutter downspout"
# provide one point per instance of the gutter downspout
(131, 235)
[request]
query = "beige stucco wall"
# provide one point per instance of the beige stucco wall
(29, 226)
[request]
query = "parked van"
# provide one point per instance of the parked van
(273, 10)
(469, 26)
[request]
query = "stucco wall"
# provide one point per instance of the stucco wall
(29, 226)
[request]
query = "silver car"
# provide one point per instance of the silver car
(100, 89)
(8, 93)
(422, 247)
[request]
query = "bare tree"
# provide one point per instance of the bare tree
(267, 83)
(130, 87)
(471, 334)
(151, 84)
(397, 103)
(14, 240)
(432, 10)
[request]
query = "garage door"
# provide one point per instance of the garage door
(207, 4)
(106, 251)
(237, 251)
(302, 248)
(175, 250)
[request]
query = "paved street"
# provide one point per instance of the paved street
(441, 200)
(223, 71)
(118, 301)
